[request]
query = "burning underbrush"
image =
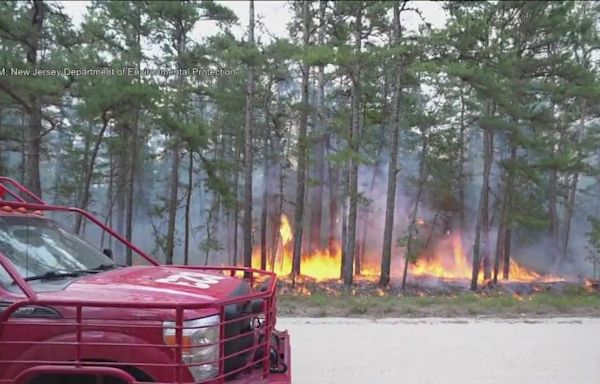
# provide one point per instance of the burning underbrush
(443, 266)
(427, 286)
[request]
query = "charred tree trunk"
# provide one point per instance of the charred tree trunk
(301, 148)
(390, 203)
(248, 122)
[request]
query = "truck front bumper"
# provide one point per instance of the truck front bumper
(283, 377)
(285, 349)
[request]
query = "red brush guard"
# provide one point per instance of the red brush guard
(138, 341)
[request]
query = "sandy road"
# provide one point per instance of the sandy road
(444, 351)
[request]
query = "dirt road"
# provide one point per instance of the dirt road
(448, 351)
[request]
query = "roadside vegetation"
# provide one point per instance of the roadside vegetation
(571, 301)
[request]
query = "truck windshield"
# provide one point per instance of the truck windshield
(38, 246)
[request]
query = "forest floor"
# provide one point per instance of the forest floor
(450, 351)
(504, 301)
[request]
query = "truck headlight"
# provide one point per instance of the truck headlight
(200, 345)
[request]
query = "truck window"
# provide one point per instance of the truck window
(38, 245)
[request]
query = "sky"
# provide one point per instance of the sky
(275, 15)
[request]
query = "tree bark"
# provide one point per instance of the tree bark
(319, 145)
(572, 190)
(248, 135)
(85, 194)
(33, 138)
(486, 222)
(461, 163)
(390, 203)
(412, 228)
(510, 187)
(266, 181)
(188, 208)
(332, 186)
(236, 208)
(301, 148)
(499, 251)
(133, 158)
(173, 192)
(354, 148)
(483, 207)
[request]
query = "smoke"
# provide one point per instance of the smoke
(532, 249)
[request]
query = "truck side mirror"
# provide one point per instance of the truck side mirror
(108, 252)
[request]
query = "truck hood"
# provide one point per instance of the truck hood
(154, 284)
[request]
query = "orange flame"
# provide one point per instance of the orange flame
(285, 230)
(448, 260)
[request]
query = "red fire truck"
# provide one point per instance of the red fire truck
(70, 314)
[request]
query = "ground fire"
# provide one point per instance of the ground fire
(447, 261)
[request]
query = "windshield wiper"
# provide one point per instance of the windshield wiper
(53, 275)
(106, 267)
(99, 268)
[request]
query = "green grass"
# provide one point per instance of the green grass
(572, 302)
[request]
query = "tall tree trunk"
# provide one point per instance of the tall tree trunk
(319, 145)
(131, 172)
(188, 208)
(248, 122)
(482, 214)
(554, 226)
(301, 149)
(344, 244)
(263, 219)
(413, 219)
(390, 202)
(33, 138)
(361, 214)
(173, 192)
(266, 181)
(236, 208)
(499, 251)
(354, 147)
(461, 163)
(121, 187)
(510, 187)
(572, 189)
(276, 200)
(133, 158)
(486, 222)
(89, 173)
(332, 186)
